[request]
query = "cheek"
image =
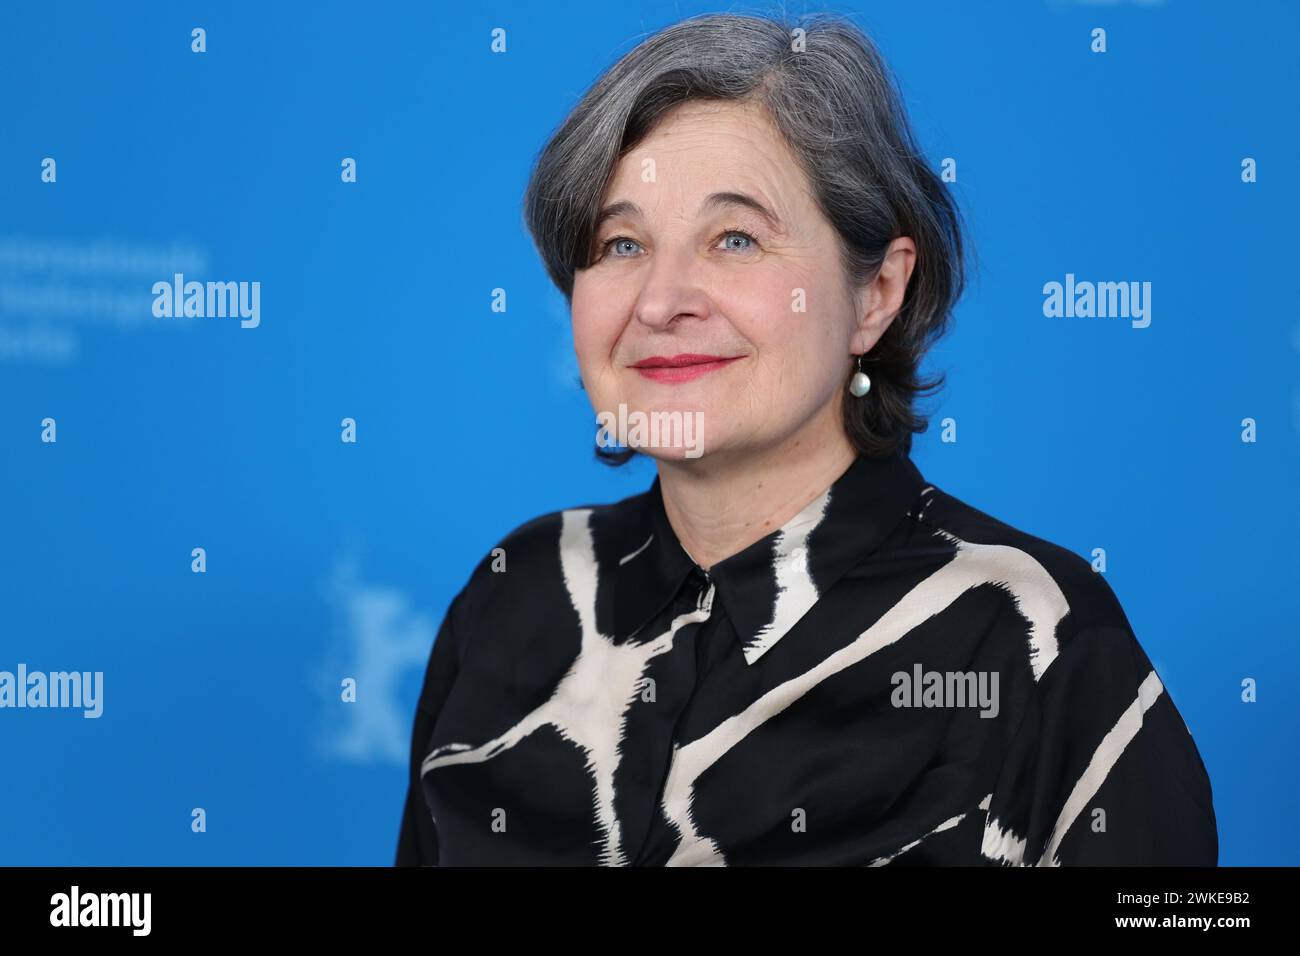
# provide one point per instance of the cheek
(595, 326)
(800, 353)
(791, 341)
(759, 304)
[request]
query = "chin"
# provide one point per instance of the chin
(668, 431)
(677, 455)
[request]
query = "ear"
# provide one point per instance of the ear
(882, 298)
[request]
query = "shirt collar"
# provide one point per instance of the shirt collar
(769, 586)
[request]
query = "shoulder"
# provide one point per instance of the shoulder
(1051, 584)
(1095, 696)
(525, 564)
(539, 538)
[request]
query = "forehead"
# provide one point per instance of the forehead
(701, 146)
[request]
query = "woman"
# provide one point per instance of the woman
(791, 649)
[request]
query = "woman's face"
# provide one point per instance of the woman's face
(716, 289)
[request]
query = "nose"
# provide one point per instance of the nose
(670, 290)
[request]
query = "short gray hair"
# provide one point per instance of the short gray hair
(828, 91)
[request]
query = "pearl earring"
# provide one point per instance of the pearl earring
(860, 384)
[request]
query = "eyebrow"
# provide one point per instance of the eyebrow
(712, 201)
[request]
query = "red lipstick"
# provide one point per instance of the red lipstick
(683, 367)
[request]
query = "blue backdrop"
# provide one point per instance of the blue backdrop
(328, 559)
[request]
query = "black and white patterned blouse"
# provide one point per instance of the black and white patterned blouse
(893, 677)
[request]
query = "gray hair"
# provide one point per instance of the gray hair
(829, 93)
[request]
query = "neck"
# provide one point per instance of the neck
(720, 505)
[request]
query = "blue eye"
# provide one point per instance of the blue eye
(616, 242)
(624, 248)
(727, 236)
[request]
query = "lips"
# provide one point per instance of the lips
(683, 367)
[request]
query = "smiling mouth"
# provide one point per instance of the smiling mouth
(682, 368)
